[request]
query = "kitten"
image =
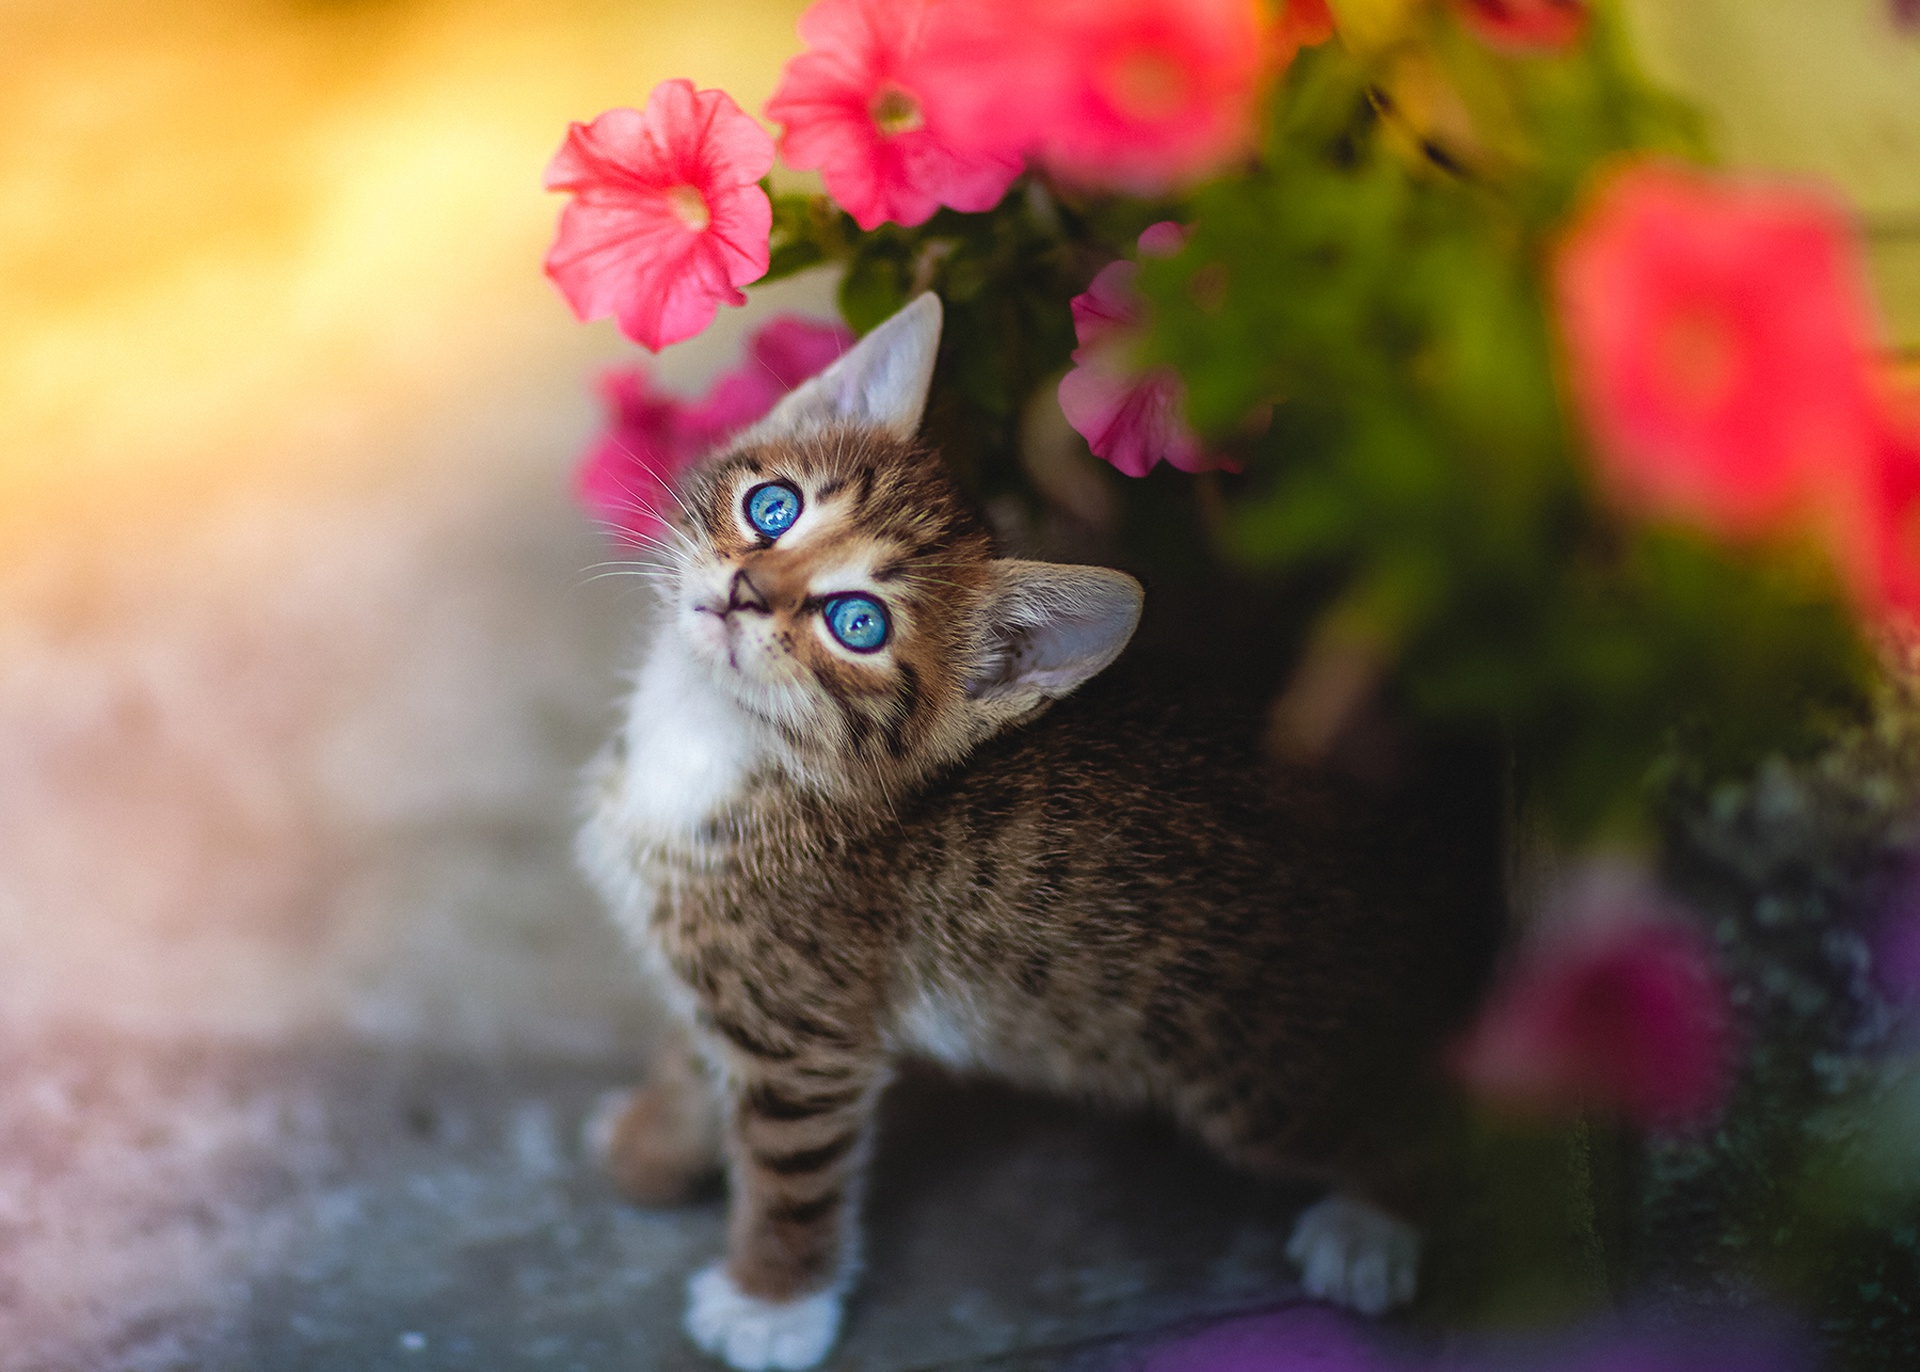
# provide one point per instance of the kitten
(858, 811)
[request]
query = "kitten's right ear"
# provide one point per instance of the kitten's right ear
(1048, 629)
(881, 382)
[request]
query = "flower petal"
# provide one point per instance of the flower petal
(626, 246)
(1134, 95)
(861, 53)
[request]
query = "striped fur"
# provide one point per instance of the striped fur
(833, 860)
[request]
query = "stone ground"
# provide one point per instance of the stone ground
(351, 1208)
(301, 1003)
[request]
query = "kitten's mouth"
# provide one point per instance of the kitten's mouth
(721, 635)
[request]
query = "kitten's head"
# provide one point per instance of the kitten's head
(835, 583)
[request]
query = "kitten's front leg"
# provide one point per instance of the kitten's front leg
(797, 1145)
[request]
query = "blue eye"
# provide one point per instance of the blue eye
(859, 621)
(772, 508)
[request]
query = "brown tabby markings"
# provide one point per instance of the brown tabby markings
(1112, 897)
(920, 538)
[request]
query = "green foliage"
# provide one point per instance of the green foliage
(1362, 321)
(1392, 314)
(1005, 278)
(1380, 294)
(1810, 1183)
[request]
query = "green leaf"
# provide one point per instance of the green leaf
(875, 285)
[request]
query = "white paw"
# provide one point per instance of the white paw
(750, 1334)
(1354, 1255)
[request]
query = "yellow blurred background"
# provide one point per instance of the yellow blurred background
(299, 654)
(287, 410)
(268, 233)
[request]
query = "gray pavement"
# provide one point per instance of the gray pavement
(354, 1208)
(301, 1002)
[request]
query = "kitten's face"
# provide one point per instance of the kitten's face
(833, 582)
(830, 585)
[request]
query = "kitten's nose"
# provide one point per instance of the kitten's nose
(744, 595)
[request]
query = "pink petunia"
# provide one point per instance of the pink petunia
(668, 220)
(780, 356)
(650, 438)
(1617, 1004)
(1525, 25)
(1302, 24)
(1719, 342)
(1874, 524)
(1134, 419)
(1133, 95)
(852, 108)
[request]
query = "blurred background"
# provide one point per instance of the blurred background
(300, 644)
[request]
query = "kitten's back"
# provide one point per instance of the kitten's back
(1130, 900)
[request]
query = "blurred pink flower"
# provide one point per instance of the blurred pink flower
(852, 109)
(650, 438)
(1134, 95)
(1873, 524)
(780, 356)
(1616, 1004)
(1876, 534)
(1719, 340)
(1132, 418)
(668, 220)
(1302, 24)
(1525, 25)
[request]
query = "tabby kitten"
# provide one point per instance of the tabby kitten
(851, 815)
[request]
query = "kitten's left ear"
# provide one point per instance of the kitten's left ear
(880, 383)
(1048, 629)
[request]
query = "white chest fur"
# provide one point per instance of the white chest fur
(683, 754)
(689, 749)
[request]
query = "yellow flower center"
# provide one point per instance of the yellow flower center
(895, 111)
(1147, 85)
(689, 207)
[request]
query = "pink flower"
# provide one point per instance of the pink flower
(1133, 419)
(780, 356)
(1719, 341)
(650, 438)
(1525, 25)
(852, 109)
(668, 220)
(1874, 524)
(1302, 24)
(1616, 1004)
(1136, 95)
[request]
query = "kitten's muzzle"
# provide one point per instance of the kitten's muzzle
(742, 594)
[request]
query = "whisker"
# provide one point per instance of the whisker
(643, 506)
(623, 571)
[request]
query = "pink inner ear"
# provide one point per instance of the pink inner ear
(1058, 628)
